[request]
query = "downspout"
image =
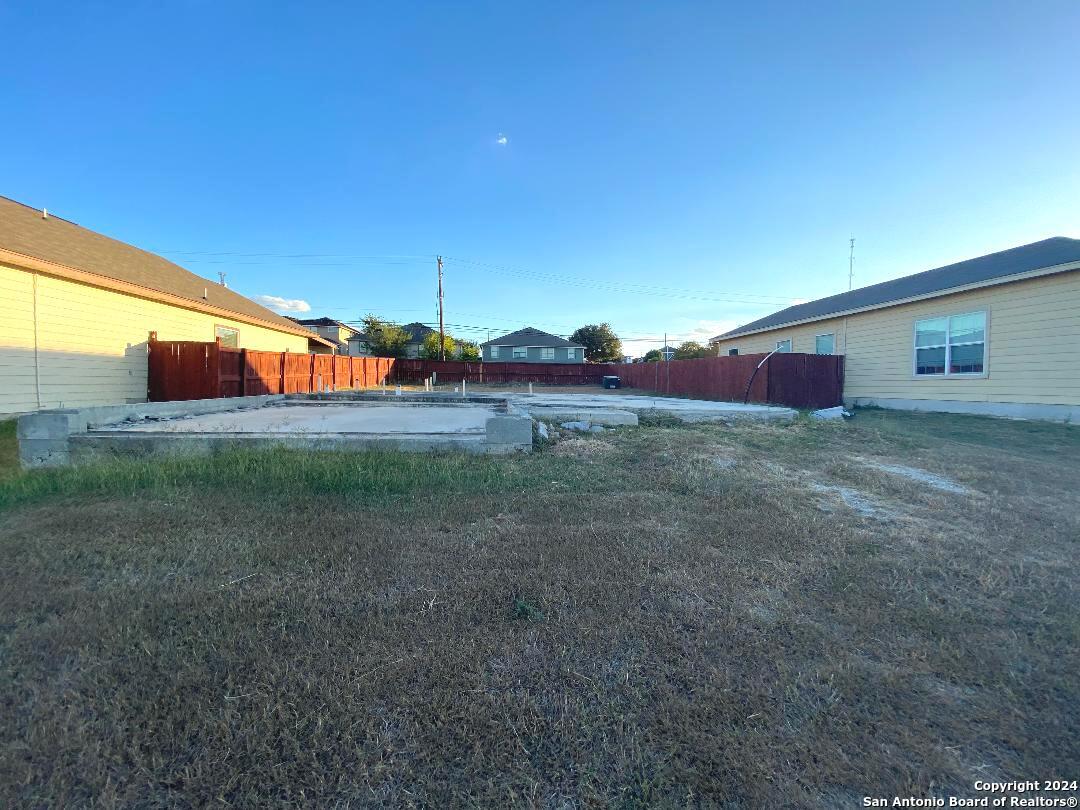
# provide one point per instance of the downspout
(37, 365)
(746, 396)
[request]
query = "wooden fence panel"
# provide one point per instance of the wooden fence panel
(191, 370)
(179, 370)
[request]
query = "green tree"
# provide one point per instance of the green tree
(601, 344)
(384, 338)
(430, 348)
(691, 349)
(468, 351)
(652, 356)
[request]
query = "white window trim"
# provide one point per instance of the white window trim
(544, 352)
(494, 351)
(790, 348)
(514, 352)
(962, 375)
(826, 334)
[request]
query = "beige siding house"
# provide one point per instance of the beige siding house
(997, 335)
(77, 308)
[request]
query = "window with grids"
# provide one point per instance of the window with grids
(494, 352)
(547, 353)
(520, 352)
(955, 344)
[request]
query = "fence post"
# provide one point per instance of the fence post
(283, 356)
(243, 372)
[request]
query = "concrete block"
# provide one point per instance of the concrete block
(595, 416)
(512, 430)
(44, 452)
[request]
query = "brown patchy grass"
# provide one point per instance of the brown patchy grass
(677, 619)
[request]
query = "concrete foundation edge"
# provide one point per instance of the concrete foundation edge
(1069, 414)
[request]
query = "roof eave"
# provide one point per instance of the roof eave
(993, 282)
(34, 264)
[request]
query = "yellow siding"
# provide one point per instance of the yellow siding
(1033, 356)
(91, 343)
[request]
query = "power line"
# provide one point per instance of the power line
(405, 259)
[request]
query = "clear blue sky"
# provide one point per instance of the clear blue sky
(725, 152)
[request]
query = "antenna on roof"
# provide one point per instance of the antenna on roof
(221, 276)
(851, 265)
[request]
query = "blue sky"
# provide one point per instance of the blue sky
(676, 167)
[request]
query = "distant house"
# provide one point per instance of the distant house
(532, 346)
(996, 335)
(77, 309)
(358, 343)
(336, 332)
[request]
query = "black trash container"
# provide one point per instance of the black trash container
(611, 382)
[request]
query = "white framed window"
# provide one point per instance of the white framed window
(547, 353)
(494, 351)
(825, 344)
(732, 352)
(227, 336)
(783, 346)
(951, 345)
(520, 352)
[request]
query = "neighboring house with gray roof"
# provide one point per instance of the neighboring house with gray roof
(418, 332)
(530, 345)
(336, 332)
(997, 335)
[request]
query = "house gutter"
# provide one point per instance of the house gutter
(842, 313)
(45, 267)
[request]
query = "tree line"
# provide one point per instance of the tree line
(388, 339)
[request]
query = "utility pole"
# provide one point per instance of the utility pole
(851, 265)
(442, 332)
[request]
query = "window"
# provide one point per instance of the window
(547, 354)
(494, 352)
(824, 344)
(732, 352)
(520, 352)
(227, 337)
(571, 354)
(783, 346)
(951, 345)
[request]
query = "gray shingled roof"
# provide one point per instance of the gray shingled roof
(27, 231)
(530, 337)
(1027, 258)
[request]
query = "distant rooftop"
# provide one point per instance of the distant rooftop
(530, 337)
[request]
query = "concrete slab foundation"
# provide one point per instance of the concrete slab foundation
(474, 423)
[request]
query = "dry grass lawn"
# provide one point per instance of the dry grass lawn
(668, 616)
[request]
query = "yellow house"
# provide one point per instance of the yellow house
(997, 335)
(76, 309)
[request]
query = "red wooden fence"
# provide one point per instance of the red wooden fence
(795, 380)
(189, 370)
(547, 373)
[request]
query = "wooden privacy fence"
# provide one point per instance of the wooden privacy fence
(191, 370)
(547, 373)
(796, 380)
(194, 370)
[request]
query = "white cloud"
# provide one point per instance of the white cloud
(797, 301)
(703, 330)
(502, 140)
(282, 304)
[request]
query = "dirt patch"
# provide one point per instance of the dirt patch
(938, 482)
(853, 499)
(580, 447)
